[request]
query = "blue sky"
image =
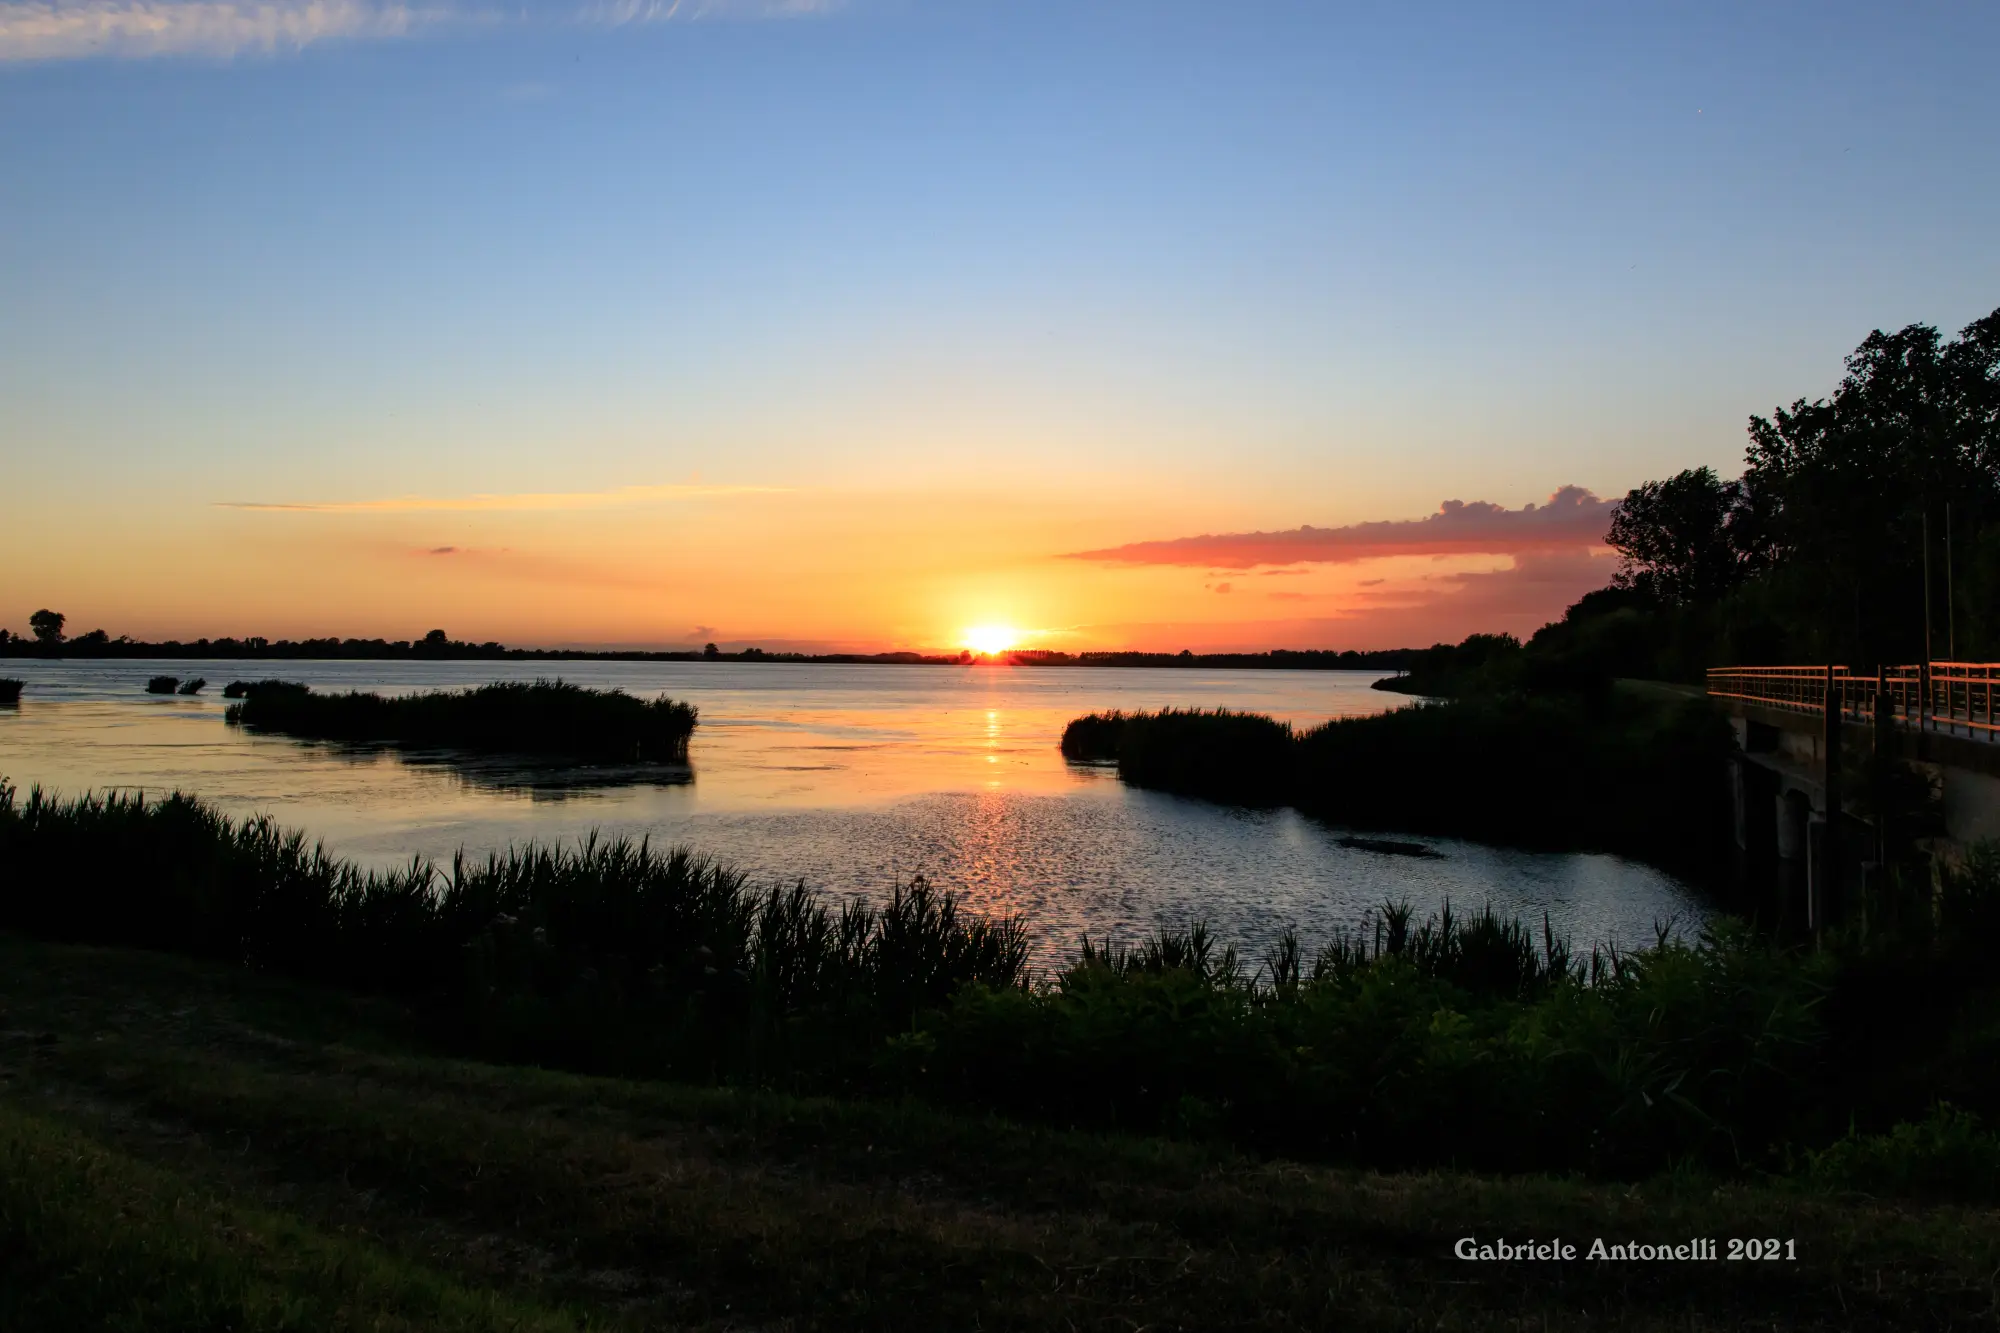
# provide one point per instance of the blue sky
(1075, 274)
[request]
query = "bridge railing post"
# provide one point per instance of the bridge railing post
(1823, 888)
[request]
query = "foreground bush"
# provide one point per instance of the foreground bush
(10, 690)
(1407, 1056)
(546, 717)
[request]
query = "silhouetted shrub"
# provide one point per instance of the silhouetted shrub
(1950, 1154)
(163, 684)
(10, 690)
(194, 686)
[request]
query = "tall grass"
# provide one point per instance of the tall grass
(606, 953)
(546, 717)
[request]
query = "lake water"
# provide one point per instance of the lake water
(850, 777)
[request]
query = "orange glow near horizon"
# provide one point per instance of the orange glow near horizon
(930, 569)
(991, 640)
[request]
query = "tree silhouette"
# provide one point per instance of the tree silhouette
(47, 626)
(1857, 481)
(1690, 538)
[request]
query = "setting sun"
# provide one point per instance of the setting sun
(991, 639)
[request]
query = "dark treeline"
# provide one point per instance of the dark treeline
(544, 718)
(1461, 1041)
(1606, 772)
(1283, 659)
(47, 640)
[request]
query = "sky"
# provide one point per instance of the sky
(860, 325)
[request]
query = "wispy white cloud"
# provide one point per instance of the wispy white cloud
(33, 30)
(76, 29)
(618, 13)
(550, 500)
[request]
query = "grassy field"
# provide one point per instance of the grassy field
(184, 1146)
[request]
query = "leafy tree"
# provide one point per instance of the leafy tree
(47, 626)
(1854, 482)
(1691, 538)
(1817, 553)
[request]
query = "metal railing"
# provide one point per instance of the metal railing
(1951, 697)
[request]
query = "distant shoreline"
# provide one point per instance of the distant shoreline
(353, 650)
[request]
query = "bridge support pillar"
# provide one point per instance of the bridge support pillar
(1794, 819)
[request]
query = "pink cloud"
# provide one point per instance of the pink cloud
(1441, 608)
(1572, 519)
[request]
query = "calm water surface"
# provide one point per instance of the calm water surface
(851, 777)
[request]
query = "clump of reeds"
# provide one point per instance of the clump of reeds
(243, 689)
(163, 684)
(10, 690)
(194, 686)
(543, 718)
(1218, 753)
(1485, 954)
(1569, 771)
(1094, 737)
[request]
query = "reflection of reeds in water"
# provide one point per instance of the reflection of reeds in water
(544, 779)
(10, 691)
(547, 718)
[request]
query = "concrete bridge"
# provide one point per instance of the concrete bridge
(1798, 727)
